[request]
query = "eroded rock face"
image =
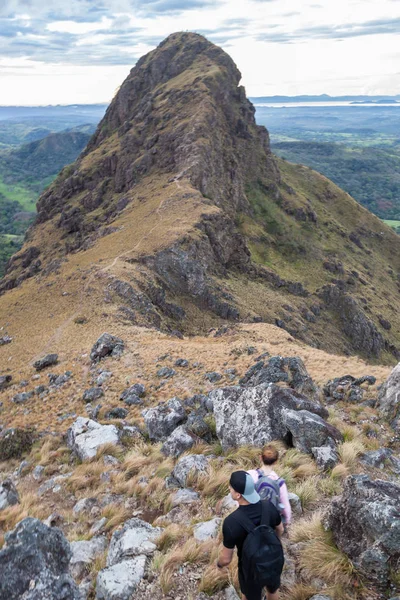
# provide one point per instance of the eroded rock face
(107, 345)
(366, 526)
(195, 464)
(389, 398)
(34, 564)
(261, 414)
(121, 580)
(85, 437)
(163, 419)
(178, 442)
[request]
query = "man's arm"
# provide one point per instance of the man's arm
(279, 530)
(225, 557)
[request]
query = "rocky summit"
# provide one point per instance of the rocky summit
(177, 216)
(184, 298)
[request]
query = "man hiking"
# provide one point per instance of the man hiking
(255, 529)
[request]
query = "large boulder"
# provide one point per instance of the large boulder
(178, 442)
(121, 580)
(34, 564)
(107, 345)
(8, 494)
(15, 442)
(347, 388)
(389, 398)
(289, 370)
(192, 464)
(46, 361)
(161, 420)
(366, 526)
(136, 538)
(84, 553)
(85, 437)
(258, 415)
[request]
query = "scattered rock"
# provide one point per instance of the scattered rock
(85, 437)
(133, 395)
(178, 442)
(366, 526)
(58, 381)
(326, 457)
(134, 539)
(109, 460)
(121, 580)
(53, 484)
(130, 433)
(46, 361)
(181, 362)
(389, 398)
(213, 377)
(5, 339)
(22, 397)
(193, 464)
(37, 473)
(8, 494)
(54, 520)
(163, 419)
(207, 530)
(84, 553)
(259, 415)
(98, 526)
(199, 427)
(230, 593)
(107, 345)
(347, 388)
(36, 553)
(84, 505)
(165, 372)
(103, 377)
(15, 442)
(5, 381)
(290, 370)
(295, 504)
(92, 394)
(376, 458)
(185, 496)
(116, 413)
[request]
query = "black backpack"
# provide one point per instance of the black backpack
(262, 552)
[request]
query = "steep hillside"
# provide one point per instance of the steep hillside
(177, 216)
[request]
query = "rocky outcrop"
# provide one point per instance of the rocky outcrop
(389, 398)
(366, 526)
(289, 370)
(135, 538)
(265, 413)
(178, 442)
(84, 553)
(161, 420)
(46, 361)
(107, 345)
(347, 388)
(121, 580)
(191, 465)
(85, 437)
(34, 564)
(8, 494)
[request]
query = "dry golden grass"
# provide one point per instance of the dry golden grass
(86, 477)
(28, 507)
(307, 491)
(116, 514)
(322, 559)
(170, 536)
(299, 591)
(191, 551)
(339, 472)
(215, 484)
(307, 529)
(349, 452)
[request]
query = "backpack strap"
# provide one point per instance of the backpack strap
(244, 521)
(264, 512)
(259, 473)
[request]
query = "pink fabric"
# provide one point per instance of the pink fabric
(284, 497)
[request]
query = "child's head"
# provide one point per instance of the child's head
(269, 455)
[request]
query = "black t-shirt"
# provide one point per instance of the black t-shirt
(234, 534)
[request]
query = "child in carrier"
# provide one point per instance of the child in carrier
(269, 485)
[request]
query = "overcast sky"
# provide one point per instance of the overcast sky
(79, 51)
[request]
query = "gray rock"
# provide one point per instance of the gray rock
(178, 442)
(181, 362)
(46, 361)
(289, 370)
(109, 460)
(22, 397)
(228, 504)
(5, 381)
(5, 339)
(347, 388)
(207, 530)
(130, 432)
(52, 484)
(54, 520)
(39, 554)
(107, 345)
(15, 442)
(321, 597)
(116, 413)
(8, 494)
(295, 504)
(388, 401)
(121, 580)
(85, 588)
(230, 593)
(92, 394)
(213, 377)
(85, 437)
(366, 526)
(376, 458)
(84, 505)
(133, 395)
(22, 467)
(103, 377)
(98, 526)
(326, 457)
(58, 381)
(134, 539)
(37, 473)
(255, 416)
(93, 412)
(185, 496)
(84, 553)
(165, 372)
(193, 464)
(199, 427)
(163, 419)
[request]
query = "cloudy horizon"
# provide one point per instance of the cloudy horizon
(81, 52)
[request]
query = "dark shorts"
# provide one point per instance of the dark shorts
(253, 592)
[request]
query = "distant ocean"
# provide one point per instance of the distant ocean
(322, 104)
